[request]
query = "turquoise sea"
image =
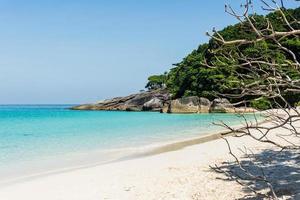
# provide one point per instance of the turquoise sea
(51, 134)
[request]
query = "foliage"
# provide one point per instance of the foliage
(261, 103)
(209, 71)
(156, 82)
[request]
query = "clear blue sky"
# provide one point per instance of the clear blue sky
(71, 51)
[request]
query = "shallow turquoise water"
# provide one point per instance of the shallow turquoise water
(37, 132)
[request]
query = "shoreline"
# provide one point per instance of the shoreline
(87, 140)
(172, 171)
(135, 153)
(139, 152)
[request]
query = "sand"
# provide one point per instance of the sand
(180, 174)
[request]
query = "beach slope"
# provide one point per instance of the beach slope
(180, 174)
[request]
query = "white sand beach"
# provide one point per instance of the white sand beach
(150, 100)
(179, 174)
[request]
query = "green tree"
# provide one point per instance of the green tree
(211, 69)
(156, 82)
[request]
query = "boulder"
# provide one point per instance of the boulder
(158, 100)
(83, 107)
(184, 105)
(134, 102)
(221, 105)
(245, 110)
(154, 104)
(166, 108)
(204, 105)
(192, 104)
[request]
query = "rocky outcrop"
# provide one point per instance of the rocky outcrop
(159, 100)
(184, 105)
(204, 105)
(136, 102)
(244, 110)
(191, 104)
(221, 105)
(155, 104)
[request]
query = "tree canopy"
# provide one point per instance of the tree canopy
(211, 70)
(156, 82)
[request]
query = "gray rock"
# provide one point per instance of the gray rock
(154, 104)
(204, 105)
(166, 107)
(245, 110)
(159, 100)
(221, 105)
(184, 105)
(134, 102)
(192, 104)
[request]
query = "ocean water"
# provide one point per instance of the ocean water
(42, 133)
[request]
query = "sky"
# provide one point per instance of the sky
(81, 51)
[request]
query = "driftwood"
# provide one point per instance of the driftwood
(271, 82)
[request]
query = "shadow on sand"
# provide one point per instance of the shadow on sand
(282, 169)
